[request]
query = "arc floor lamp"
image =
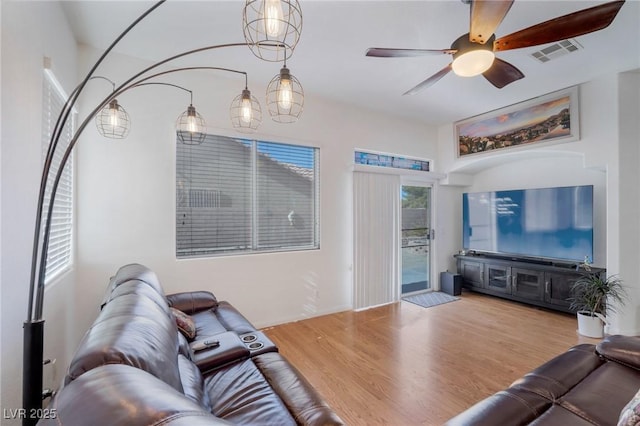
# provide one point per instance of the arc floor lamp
(271, 30)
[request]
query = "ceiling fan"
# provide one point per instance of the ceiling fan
(473, 53)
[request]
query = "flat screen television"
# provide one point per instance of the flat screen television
(548, 223)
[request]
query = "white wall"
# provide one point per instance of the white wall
(30, 31)
(606, 156)
(127, 195)
(627, 216)
(449, 225)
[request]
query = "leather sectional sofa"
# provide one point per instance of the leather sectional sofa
(135, 366)
(587, 385)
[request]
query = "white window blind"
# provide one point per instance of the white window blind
(239, 195)
(59, 255)
(376, 222)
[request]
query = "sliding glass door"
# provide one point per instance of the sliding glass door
(416, 238)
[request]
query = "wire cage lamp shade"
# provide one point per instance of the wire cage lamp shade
(113, 121)
(285, 97)
(190, 127)
(246, 113)
(272, 28)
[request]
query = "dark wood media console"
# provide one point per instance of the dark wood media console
(536, 282)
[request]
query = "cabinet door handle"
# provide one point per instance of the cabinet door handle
(546, 287)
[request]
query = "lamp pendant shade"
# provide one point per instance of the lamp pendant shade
(113, 121)
(285, 97)
(272, 28)
(246, 114)
(190, 127)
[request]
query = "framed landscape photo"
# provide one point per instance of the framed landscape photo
(547, 119)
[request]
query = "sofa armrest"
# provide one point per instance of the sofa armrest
(508, 407)
(303, 402)
(230, 349)
(191, 302)
(556, 377)
(624, 350)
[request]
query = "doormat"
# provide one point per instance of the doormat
(427, 300)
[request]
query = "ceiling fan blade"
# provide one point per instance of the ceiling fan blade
(486, 15)
(572, 25)
(381, 52)
(430, 81)
(502, 73)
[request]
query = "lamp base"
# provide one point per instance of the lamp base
(32, 359)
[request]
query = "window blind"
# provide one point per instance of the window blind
(59, 254)
(376, 221)
(239, 195)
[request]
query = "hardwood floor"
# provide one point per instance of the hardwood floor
(402, 364)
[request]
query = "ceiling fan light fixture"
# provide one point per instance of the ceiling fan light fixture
(471, 58)
(472, 63)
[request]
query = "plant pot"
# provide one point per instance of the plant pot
(590, 325)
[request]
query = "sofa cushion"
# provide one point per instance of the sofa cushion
(602, 395)
(241, 395)
(132, 271)
(193, 301)
(224, 317)
(207, 324)
(185, 323)
(192, 383)
(559, 416)
(140, 288)
(135, 331)
(232, 319)
(184, 347)
(115, 395)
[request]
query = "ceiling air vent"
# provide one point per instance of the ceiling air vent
(556, 50)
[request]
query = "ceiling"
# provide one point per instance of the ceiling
(330, 58)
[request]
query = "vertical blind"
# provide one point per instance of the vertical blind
(376, 209)
(59, 254)
(239, 195)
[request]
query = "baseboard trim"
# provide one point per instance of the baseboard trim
(625, 332)
(301, 316)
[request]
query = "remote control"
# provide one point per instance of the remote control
(204, 344)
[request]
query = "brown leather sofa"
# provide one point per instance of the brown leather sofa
(587, 385)
(135, 367)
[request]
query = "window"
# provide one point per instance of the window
(390, 160)
(59, 255)
(240, 195)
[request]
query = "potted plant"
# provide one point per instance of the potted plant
(595, 296)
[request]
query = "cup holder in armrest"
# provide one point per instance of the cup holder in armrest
(258, 343)
(248, 338)
(255, 346)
